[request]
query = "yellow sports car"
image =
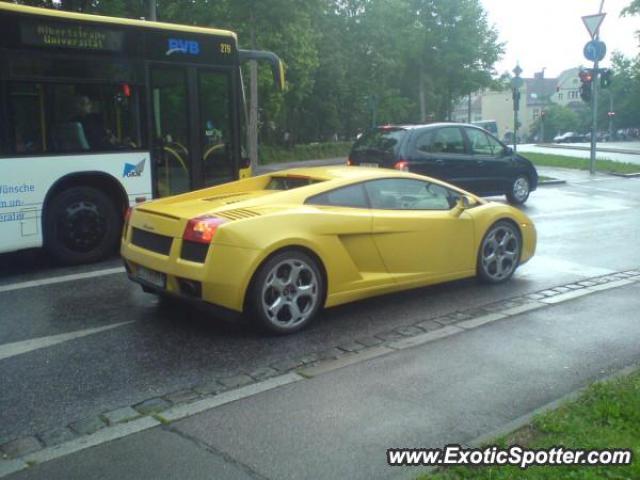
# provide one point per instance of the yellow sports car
(279, 247)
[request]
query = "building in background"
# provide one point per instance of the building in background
(536, 94)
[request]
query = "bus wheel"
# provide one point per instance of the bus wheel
(81, 225)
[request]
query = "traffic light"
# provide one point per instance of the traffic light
(605, 77)
(586, 77)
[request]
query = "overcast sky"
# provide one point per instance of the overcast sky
(550, 33)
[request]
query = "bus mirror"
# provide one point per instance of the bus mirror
(277, 66)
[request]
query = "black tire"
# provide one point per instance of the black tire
(300, 297)
(519, 190)
(503, 240)
(81, 225)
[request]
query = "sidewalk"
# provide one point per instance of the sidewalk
(335, 420)
(631, 148)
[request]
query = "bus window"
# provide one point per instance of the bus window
(26, 103)
(71, 118)
(215, 118)
(171, 129)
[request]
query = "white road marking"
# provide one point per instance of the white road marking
(61, 279)
(579, 212)
(18, 348)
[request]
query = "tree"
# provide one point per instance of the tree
(558, 119)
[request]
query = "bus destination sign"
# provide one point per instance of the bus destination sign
(62, 35)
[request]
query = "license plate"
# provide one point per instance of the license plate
(373, 165)
(152, 277)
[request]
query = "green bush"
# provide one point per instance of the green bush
(313, 151)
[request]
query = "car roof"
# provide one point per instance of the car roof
(427, 125)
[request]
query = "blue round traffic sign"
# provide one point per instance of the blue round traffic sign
(595, 50)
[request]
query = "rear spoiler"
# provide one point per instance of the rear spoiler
(277, 67)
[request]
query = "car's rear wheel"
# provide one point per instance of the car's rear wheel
(519, 191)
(286, 292)
(499, 253)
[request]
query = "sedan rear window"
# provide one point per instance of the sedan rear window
(386, 140)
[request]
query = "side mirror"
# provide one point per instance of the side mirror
(462, 204)
(507, 151)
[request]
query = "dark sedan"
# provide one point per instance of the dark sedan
(461, 154)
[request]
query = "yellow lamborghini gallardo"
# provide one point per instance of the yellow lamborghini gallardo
(279, 247)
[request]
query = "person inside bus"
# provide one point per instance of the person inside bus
(98, 136)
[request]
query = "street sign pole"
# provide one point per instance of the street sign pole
(595, 52)
(594, 118)
(516, 83)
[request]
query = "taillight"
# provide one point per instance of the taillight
(402, 165)
(349, 162)
(127, 216)
(202, 229)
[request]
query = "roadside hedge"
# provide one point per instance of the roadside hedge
(313, 151)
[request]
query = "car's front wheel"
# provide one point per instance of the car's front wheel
(499, 253)
(286, 292)
(519, 191)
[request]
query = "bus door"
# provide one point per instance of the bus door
(217, 136)
(192, 124)
(172, 126)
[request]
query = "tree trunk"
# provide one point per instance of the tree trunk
(421, 94)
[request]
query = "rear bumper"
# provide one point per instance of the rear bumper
(217, 311)
(221, 280)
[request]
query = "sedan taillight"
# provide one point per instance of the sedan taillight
(202, 229)
(402, 165)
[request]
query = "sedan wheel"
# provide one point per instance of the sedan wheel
(499, 253)
(520, 190)
(287, 292)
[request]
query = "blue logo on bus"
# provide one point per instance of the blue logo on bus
(186, 47)
(131, 170)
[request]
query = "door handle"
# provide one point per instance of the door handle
(479, 162)
(439, 162)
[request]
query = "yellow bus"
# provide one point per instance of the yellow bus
(99, 113)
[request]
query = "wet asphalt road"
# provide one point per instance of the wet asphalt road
(586, 228)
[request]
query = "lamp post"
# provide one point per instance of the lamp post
(516, 83)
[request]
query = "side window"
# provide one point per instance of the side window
(66, 118)
(424, 142)
(496, 147)
(352, 196)
(448, 140)
(479, 142)
(483, 144)
(409, 194)
(26, 107)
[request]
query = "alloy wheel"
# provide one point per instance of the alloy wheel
(290, 293)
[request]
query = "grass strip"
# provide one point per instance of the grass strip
(550, 160)
(606, 415)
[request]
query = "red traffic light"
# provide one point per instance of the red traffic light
(585, 76)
